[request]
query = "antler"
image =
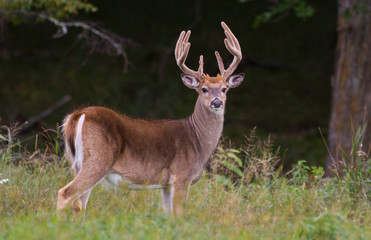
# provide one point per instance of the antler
(233, 46)
(181, 53)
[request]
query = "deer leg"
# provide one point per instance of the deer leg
(180, 196)
(80, 203)
(87, 178)
(167, 199)
(187, 192)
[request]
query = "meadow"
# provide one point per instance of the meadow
(243, 194)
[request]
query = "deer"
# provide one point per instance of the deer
(170, 155)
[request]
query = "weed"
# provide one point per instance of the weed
(260, 158)
(354, 170)
(300, 173)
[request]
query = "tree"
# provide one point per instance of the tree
(351, 82)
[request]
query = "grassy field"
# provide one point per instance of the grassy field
(242, 195)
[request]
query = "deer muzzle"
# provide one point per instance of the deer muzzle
(216, 103)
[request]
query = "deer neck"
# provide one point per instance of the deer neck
(208, 127)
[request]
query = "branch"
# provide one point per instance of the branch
(115, 41)
(33, 120)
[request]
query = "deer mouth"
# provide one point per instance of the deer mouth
(217, 111)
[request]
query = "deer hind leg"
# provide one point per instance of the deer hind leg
(93, 171)
(80, 188)
(80, 203)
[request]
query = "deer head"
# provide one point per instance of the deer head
(212, 90)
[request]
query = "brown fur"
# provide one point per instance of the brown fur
(152, 144)
(214, 80)
(144, 152)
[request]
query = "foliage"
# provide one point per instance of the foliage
(254, 161)
(260, 157)
(53, 8)
(280, 8)
(355, 169)
(277, 208)
(318, 173)
(300, 173)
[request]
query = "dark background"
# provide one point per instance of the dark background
(288, 64)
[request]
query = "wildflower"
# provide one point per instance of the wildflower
(4, 180)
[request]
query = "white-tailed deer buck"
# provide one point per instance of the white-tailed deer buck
(164, 154)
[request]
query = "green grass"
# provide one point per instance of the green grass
(254, 202)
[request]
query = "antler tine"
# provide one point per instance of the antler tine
(233, 46)
(201, 66)
(181, 52)
(220, 62)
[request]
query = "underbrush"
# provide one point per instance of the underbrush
(242, 195)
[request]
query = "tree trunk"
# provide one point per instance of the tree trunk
(351, 83)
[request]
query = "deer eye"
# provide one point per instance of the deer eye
(204, 90)
(224, 90)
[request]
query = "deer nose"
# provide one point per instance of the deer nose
(216, 103)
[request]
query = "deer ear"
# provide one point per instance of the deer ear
(235, 80)
(190, 81)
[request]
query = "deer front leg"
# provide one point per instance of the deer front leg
(180, 197)
(167, 199)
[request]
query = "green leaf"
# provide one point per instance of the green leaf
(345, 157)
(56, 147)
(232, 167)
(235, 158)
(303, 10)
(55, 8)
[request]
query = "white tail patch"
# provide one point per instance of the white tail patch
(79, 152)
(65, 121)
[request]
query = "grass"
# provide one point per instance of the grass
(240, 196)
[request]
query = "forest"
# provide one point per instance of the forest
(294, 158)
